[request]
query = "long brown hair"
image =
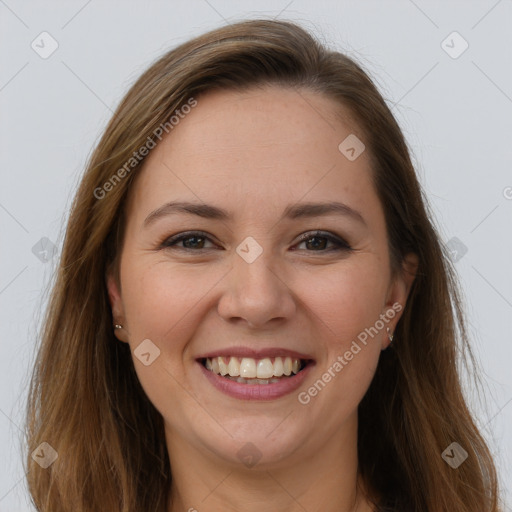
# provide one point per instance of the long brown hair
(85, 399)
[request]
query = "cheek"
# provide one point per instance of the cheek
(160, 298)
(161, 304)
(163, 300)
(348, 302)
(348, 299)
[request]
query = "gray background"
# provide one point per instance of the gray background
(455, 113)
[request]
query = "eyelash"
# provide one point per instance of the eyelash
(170, 243)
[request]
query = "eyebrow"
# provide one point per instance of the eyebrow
(292, 212)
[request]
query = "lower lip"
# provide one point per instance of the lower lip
(269, 391)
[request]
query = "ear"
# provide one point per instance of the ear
(398, 293)
(116, 304)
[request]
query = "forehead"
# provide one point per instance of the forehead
(263, 146)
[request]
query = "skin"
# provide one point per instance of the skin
(268, 146)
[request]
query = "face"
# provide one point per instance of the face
(245, 284)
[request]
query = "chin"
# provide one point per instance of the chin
(261, 442)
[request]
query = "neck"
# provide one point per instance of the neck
(323, 477)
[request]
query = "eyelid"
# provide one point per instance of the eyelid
(339, 241)
(178, 237)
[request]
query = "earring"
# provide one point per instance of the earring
(390, 335)
(117, 326)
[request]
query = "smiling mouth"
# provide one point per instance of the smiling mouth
(247, 370)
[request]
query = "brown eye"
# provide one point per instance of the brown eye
(191, 241)
(318, 241)
(315, 242)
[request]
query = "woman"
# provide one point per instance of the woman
(253, 310)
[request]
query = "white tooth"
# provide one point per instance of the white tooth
(274, 380)
(234, 367)
(287, 366)
(278, 367)
(223, 367)
(248, 368)
(265, 369)
(241, 380)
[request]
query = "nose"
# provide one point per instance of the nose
(256, 294)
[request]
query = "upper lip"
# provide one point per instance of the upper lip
(255, 354)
